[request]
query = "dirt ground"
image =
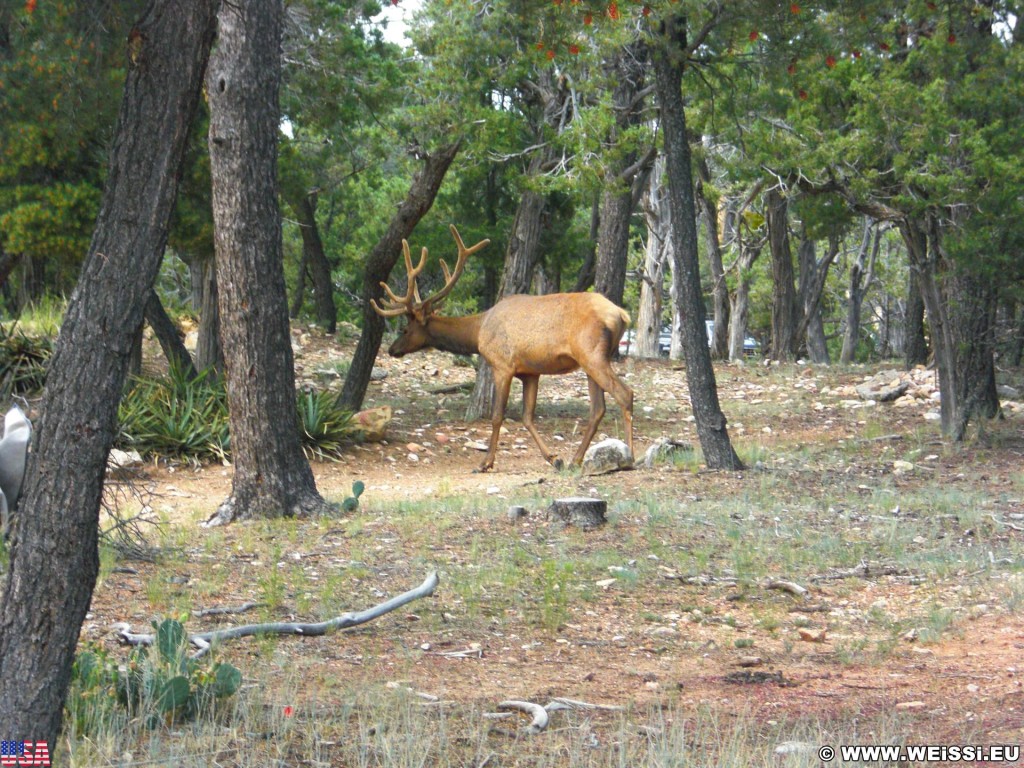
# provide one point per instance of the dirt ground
(687, 643)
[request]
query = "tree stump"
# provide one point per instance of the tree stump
(584, 513)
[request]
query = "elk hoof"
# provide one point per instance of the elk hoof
(558, 464)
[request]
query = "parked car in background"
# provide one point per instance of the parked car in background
(751, 346)
(627, 344)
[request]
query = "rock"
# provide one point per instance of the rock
(607, 456)
(665, 449)
(120, 463)
(884, 387)
(812, 635)
(516, 513)
(1006, 392)
(795, 748)
(905, 706)
(378, 374)
(901, 467)
(373, 423)
(584, 513)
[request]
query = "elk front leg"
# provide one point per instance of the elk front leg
(530, 387)
(502, 385)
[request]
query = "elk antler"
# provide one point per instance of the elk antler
(450, 278)
(396, 306)
(411, 302)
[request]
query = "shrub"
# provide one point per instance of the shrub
(159, 684)
(23, 361)
(326, 428)
(173, 416)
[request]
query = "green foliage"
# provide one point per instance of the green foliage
(172, 416)
(159, 684)
(326, 428)
(23, 361)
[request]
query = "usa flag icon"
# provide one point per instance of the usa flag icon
(24, 753)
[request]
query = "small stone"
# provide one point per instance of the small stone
(910, 706)
(607, 456)
(812, 635)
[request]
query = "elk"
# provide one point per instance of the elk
(523, 337)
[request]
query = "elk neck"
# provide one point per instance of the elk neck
(458, 335)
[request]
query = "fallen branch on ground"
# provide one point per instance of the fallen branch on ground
(540, 715)
(205, 640)
(787, 586)
(200, 613)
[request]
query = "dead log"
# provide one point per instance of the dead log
(584, 513)
(205, 640)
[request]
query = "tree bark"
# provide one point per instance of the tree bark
(618, 199)
(784, 306)
(812, 285)
(861, 277)
(314, 256)
(53, 557)
(669, 56)
(381, 261)
(719, 289)
(520, 260)
(167, 334)
(960, 307)
(740, 298)
(209, 352)
(656, 256)
(272, 477)
(915, 346)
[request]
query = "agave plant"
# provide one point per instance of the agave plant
(325, 427)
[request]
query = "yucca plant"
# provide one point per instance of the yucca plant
(176, 416)
(325, 427)
(23, 361)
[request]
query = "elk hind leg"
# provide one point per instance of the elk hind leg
(597, 410)
(606, 380)
(531, 384)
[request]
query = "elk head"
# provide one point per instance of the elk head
(420, 312)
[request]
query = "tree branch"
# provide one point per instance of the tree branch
(205, 640)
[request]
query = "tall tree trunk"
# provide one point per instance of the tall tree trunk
(719, 289)
(619, 198)
(784, 306)
(381, 261)
(520, 259)
(960, 306)
(915, 346)
(209, 352)
(53, 549)
(740, 299)
(812, 285)
(272, 477)
(656, 256)
(167, 335)
(669, 54)
(861, 277)
(613, 244)
(320, 268)
(585, 279)
(300, 285)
